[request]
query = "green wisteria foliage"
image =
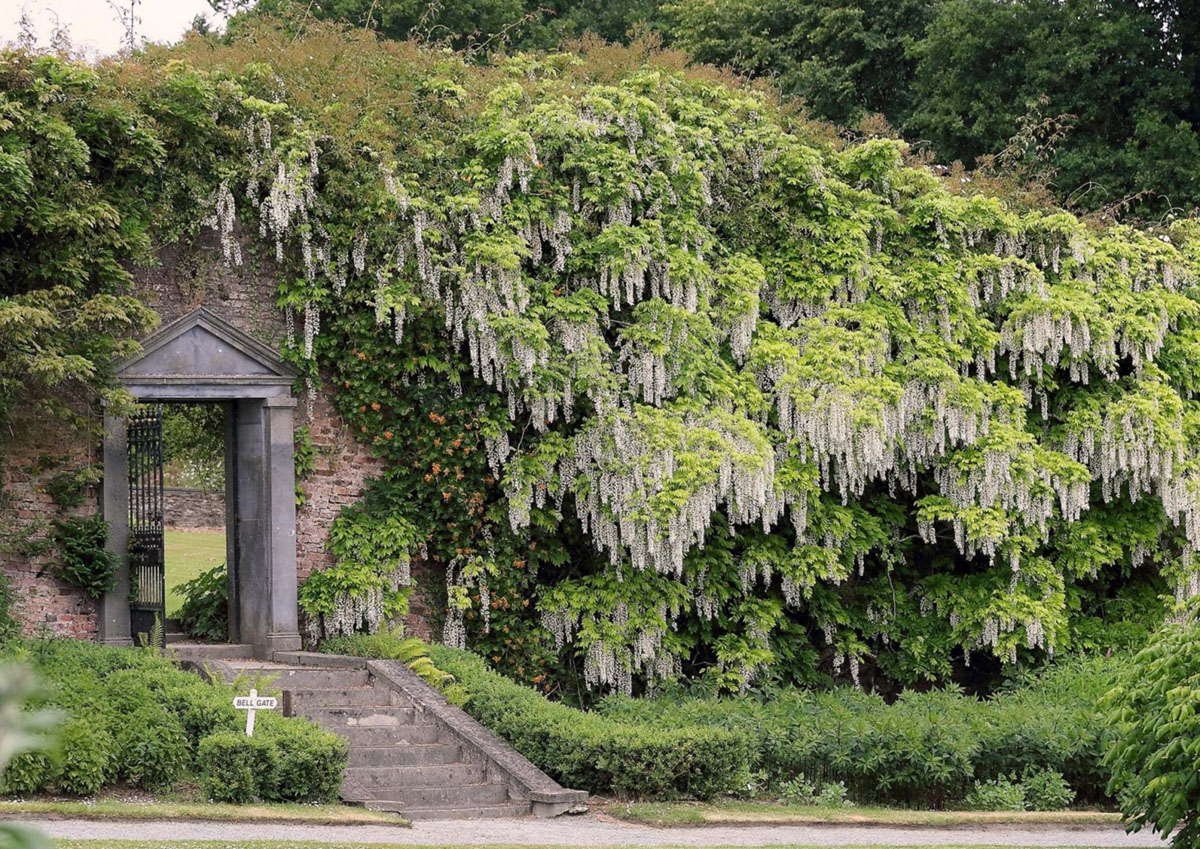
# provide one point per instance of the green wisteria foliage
(784, 405)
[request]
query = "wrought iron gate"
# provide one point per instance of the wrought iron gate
(148, 598)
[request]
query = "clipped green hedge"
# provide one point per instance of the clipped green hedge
(137, 718)
(236, 768)
(926, 749)
(590, 752)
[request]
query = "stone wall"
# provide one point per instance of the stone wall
(244, 296)
(193, 508)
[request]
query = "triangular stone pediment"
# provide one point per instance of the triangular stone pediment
(201, 347)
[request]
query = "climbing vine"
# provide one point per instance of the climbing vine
(666, 383)
(667, 307)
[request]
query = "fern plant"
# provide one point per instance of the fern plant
(413, 652)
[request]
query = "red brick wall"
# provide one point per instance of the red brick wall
(31, 457)
(343, 466)
(246, 298)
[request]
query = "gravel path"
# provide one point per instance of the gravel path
(591, 831)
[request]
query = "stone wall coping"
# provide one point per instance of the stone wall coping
(549, 797)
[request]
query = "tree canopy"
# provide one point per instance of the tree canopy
(1101, 96)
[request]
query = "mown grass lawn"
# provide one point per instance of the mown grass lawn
(188, 553)
(293, 844)
(767, 813)
(111, 809)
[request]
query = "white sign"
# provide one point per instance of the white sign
(250, 704)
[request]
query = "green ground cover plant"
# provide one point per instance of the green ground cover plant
(135, 718)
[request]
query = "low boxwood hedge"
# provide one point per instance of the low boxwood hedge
(134, 717)
(587, 751)
(925, 749)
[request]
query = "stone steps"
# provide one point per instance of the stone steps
(387, 779)
(430, 754)
(291, 678)
(186, 650)
(440, 798)
(400, 758)
(409, 751)
(362, 716)
(470, 812)
(347, 696)
(385, 735)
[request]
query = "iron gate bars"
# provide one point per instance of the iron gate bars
(148, 602)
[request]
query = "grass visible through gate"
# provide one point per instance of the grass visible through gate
(188, 553)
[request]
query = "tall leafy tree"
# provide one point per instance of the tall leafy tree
(78, 190)
(1115, 70)
(521, 24)
(842, 57)
(1102, 97)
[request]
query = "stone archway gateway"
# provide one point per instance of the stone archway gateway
(200, 357)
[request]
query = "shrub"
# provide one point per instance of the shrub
(287, 761)
(801, 791)
(310, 761)
(1046, 790)
(590, 752)
(152, 748)
(236, 768)
(142, 719)
(997, 794)
(204, 613)
(1050, 719)
(201, 708)
(88, 758)
(27, 773)
(923, 749)
(1154, 723)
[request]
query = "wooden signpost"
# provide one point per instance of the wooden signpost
(250, 704)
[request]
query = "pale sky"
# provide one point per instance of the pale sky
(95, 26)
